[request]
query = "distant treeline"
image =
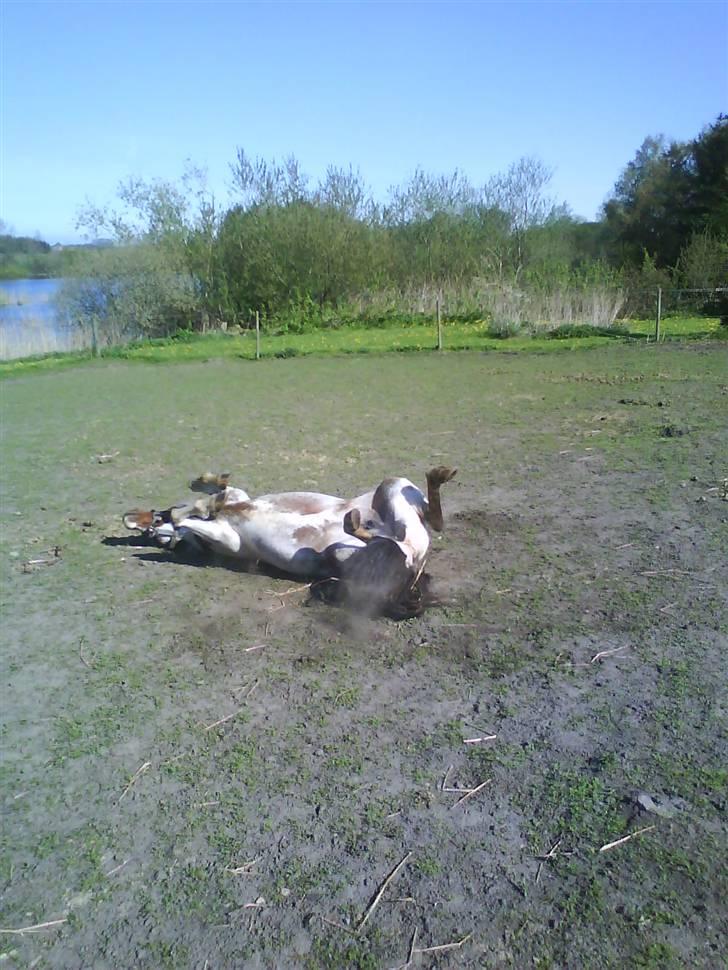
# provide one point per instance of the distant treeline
(305, 255)
(22, 257)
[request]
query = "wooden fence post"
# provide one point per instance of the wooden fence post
(257, 335)
(658, 316)
(439, 324)
(94, 337)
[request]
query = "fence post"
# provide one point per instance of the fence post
(257, 335)
(439, 324)
(658, 316)
(94, 337)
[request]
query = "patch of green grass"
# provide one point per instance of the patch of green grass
(576, 806)
(327, 954)
(428, 865)
(657, 956)
(414, 337)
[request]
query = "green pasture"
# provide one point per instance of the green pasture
(199, 766)
(413, 338)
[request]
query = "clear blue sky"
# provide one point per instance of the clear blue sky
(94, 92)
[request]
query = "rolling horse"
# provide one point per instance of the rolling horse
(371, 549)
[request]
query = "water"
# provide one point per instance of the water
(30, 319)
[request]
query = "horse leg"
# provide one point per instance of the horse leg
(436, 477)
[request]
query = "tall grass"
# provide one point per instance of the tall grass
(35, 337)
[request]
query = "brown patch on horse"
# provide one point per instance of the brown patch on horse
(309, 535)
(138, 519)
(241, 509)
(302, 505)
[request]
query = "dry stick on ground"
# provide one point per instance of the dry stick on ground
(375, 902)
(410, 955)
(444, 946)
(245, 869)
(452, 791)
(606, 653)
(223, 720)
(250, 687)
(473, 791)
(258, 646)
(36, 927)
(444, 780)
(485, 737)
(339, 926)
(137, 774)
(551, 854)
(229, 717)
(290, 591)
(117, 868)
(611, 845)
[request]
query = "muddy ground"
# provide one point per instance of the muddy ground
(584, 628)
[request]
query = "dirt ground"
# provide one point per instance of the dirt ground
(203, 769)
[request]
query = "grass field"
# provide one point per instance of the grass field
(584, 625)
(412, 338)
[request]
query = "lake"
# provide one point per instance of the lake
(30, 320)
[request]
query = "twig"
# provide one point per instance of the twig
(551, 854)
(222, 720)
(117, 868)
(606, 653)
(229, 717)
(665, 572)
(258, 646)
(444, 780)
(249, 687)
(408, 962)
(412, 946)
(444, 946)
(245, 869)
(36, 927)
(473, 791)
(84, 661)
(290, 591)
(339, 926)
(375, 902)
(137, 774)
(611, 845)
(668, 607)
(486, 737)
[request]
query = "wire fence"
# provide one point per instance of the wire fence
(436, 321)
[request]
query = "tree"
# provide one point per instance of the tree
(667, 193)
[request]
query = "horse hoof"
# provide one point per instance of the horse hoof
(138, 519)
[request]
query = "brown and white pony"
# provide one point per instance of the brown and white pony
(374, 545)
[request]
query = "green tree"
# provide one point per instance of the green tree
(667, 193)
